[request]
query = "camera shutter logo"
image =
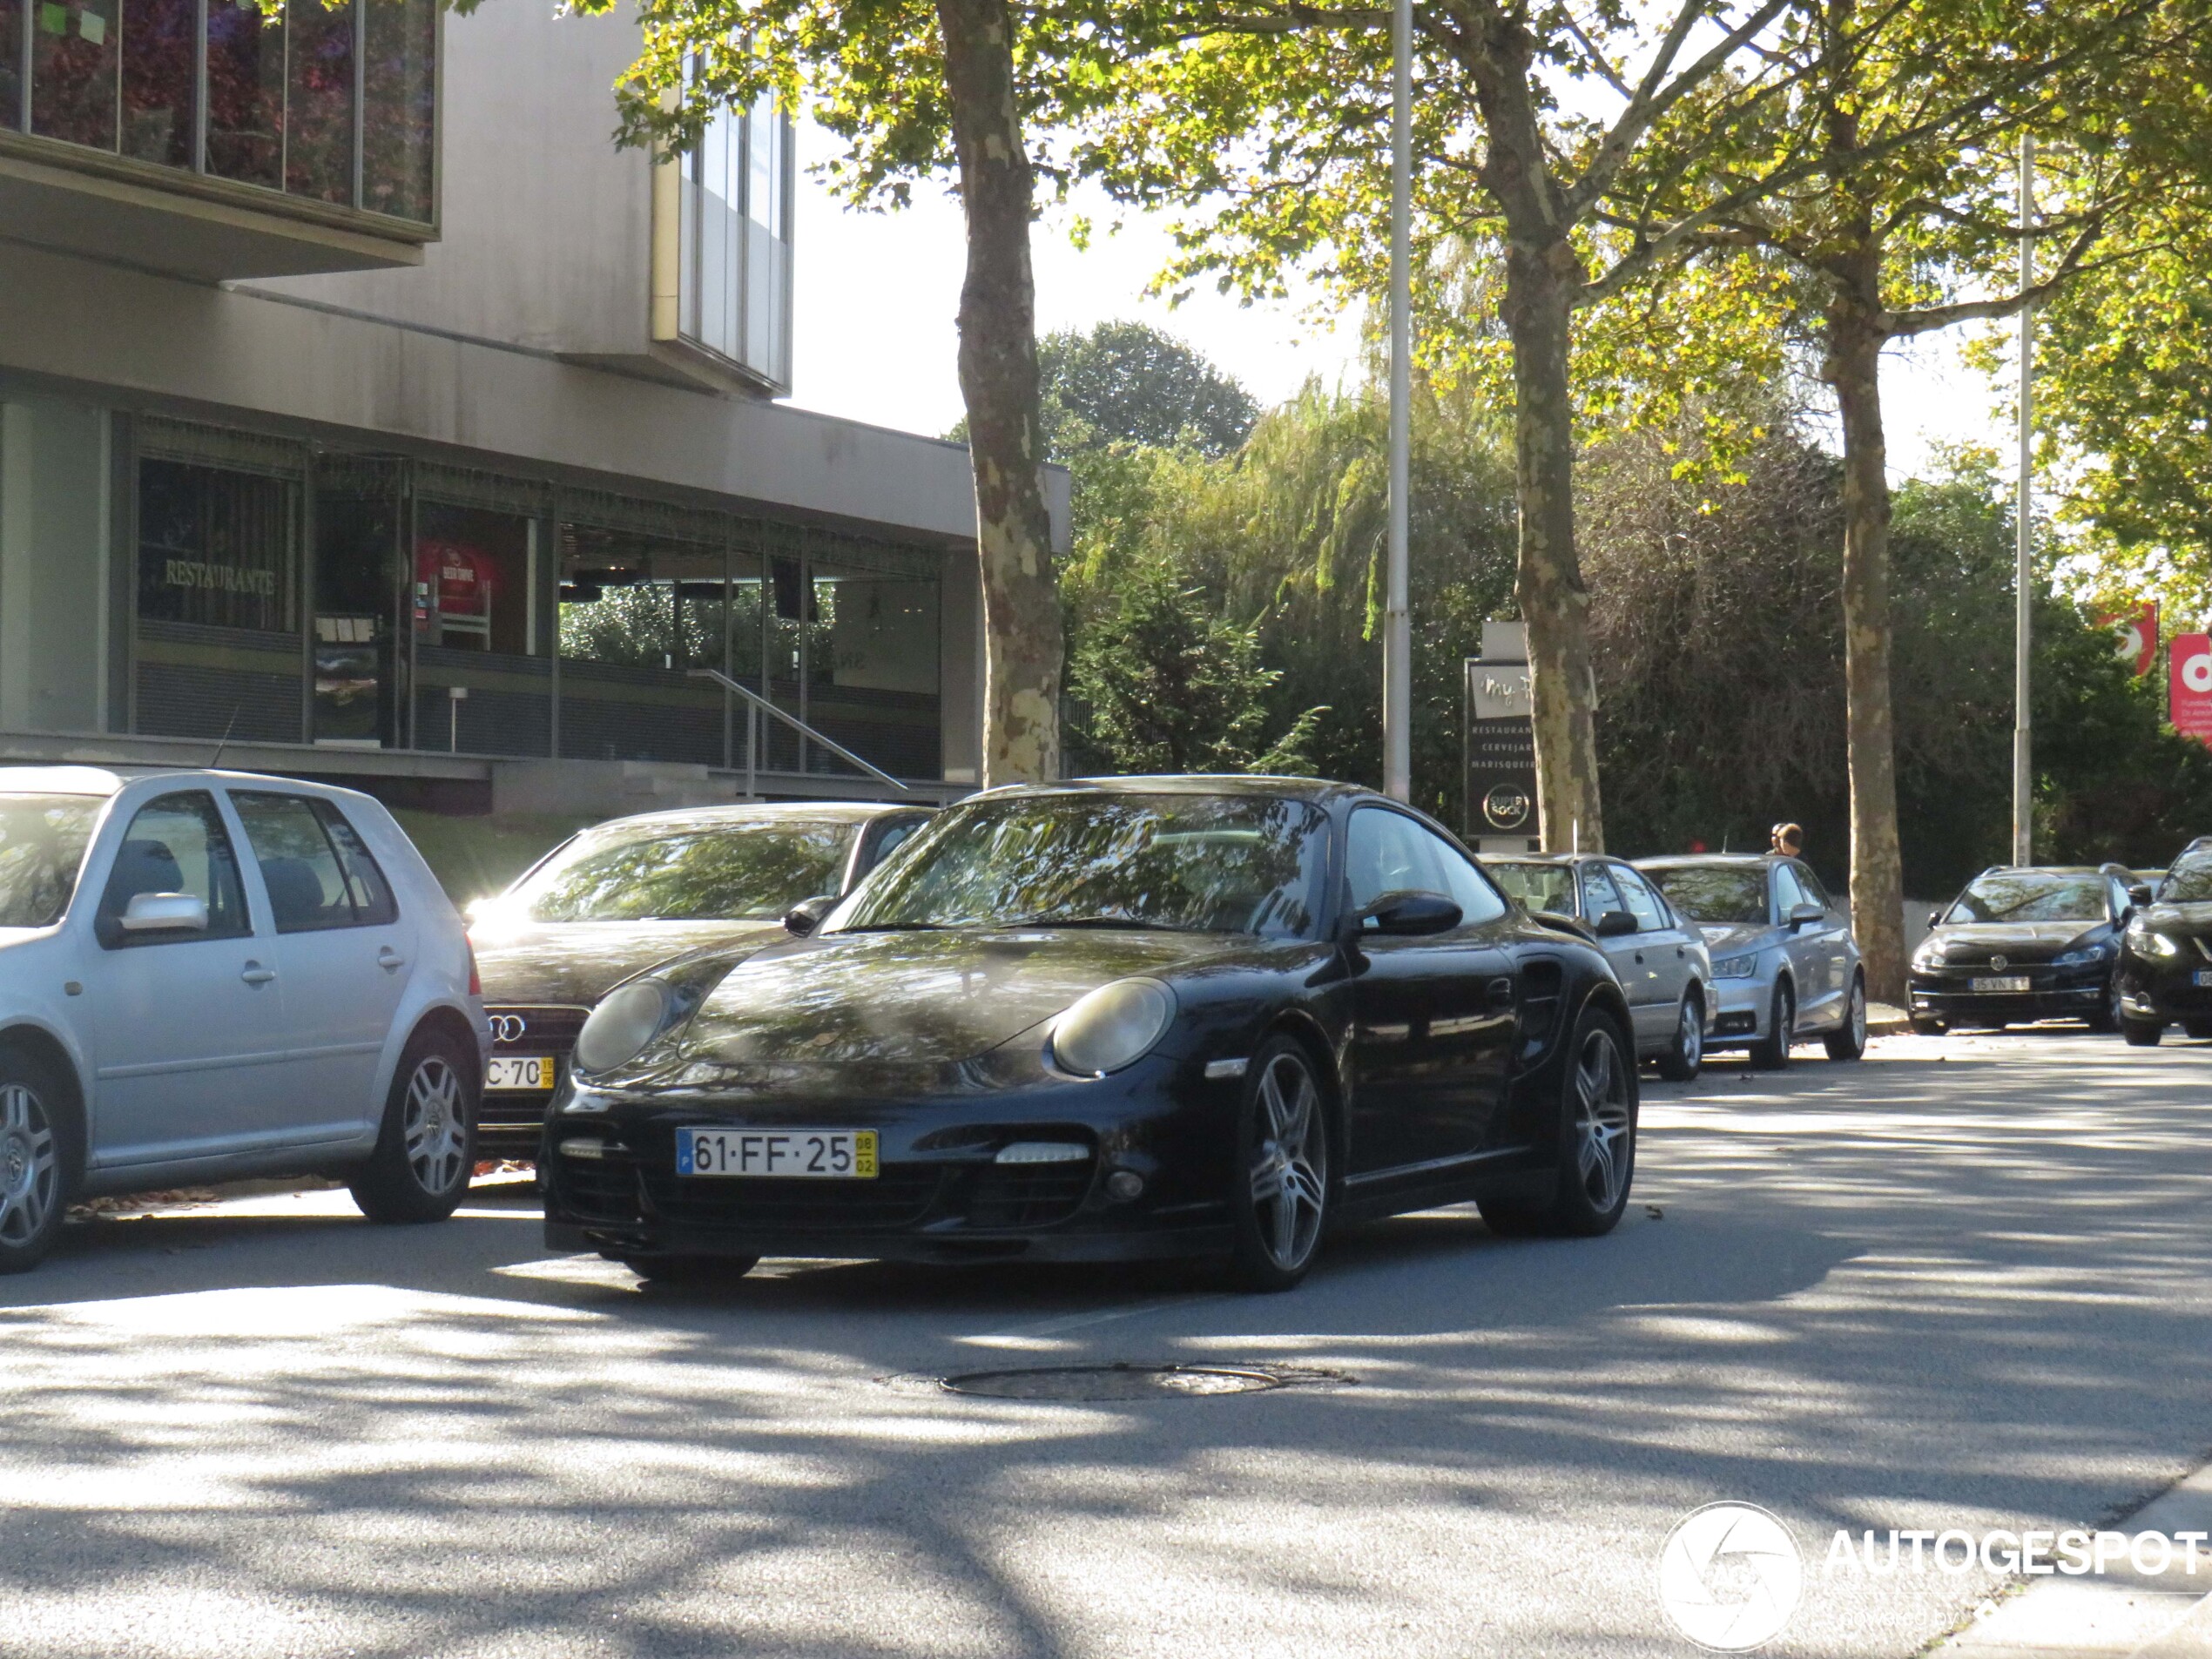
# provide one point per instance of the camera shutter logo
(1506, 808)
(1730, 1576)
(508, 1027)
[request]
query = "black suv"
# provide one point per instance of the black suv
(2166, 954)
(2037, 943)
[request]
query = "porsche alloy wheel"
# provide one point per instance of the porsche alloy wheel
(1604, 1122)
(1283, 1190)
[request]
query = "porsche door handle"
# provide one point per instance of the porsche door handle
(1499, 993)
(254, 974)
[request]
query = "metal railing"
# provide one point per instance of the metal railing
(756, 704)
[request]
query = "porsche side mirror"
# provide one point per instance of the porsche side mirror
(804, 917)
(1614, 923)
(165, 912)
(2139, 894)
(1806, 915)
(1403, 914)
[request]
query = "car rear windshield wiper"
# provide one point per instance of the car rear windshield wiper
(895, 927)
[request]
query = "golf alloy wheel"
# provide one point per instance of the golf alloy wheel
(1604, 1121)
(435, 1125)
(1290, 1169)
(30, 1175)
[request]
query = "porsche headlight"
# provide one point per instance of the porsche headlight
(1736, 966)
(619, 1027)
(2157, 945)
(1114, 1026)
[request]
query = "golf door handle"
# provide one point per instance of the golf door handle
(254, 974)
(389, 959)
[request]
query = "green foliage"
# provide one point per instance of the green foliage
(1166, 685)
(1128, 383)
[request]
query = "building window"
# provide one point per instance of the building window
(75, 45)
(734, 287)
(872, 666)
(637, 612)
(218, 647)
(284, 93)
(483, 679)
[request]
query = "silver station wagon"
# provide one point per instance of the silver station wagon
(206, 975)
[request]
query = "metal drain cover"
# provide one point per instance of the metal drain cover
(1135, 1382)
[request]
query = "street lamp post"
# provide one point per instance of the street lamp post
(1398, 634)
(2023, 573)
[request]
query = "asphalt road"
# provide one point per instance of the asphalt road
(1959, 1284)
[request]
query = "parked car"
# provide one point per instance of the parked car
(1105, 1021)
(1660, 959)
(623, 896)
(206, 975)
(2166, 952)
(2025, 944)
(1785, 967)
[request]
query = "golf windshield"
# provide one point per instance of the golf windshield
(1731, 893)
(2190, 883)
(41, 843)
(1539, 886)
(2029, 895)
(686, 872)
(1231, 864)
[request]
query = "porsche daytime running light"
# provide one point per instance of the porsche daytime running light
(1113, 1027)
(1736, 966)
(619, 1027)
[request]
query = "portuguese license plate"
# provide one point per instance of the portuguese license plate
(519, 1071)
(2003, 982)
(787, 1154)
(2202, 976)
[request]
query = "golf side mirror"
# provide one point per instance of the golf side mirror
(1614, 923)
(165, 912)
(1403, 914)
(1806, 915)
(804, 917)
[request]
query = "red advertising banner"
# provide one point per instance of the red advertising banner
(2190, 659)
(462, 579)
(2135, 634)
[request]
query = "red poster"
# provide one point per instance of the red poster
(2135, 634)
(463, 578)
(2190, 659)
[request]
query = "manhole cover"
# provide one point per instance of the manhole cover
(1135, 1382)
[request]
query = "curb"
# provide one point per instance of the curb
(1885, 1020)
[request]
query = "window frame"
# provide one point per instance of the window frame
(319, 811)
(1419, 827)
(107, 923)
(1635, 883)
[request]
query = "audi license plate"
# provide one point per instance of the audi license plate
(802, 1154)
(519, 1071)
(2005, 982)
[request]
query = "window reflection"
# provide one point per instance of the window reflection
(2026, 895)
(318, 102)
(725, 870)
(734, 290)
(872, 667)
(75, 46)
(12, 22)
(478, 629)
(399, 107)
(637, 614)
(160, 39)
(245, 92)
(1715, 894)
(1204, 864)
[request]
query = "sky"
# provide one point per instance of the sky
(874, 338)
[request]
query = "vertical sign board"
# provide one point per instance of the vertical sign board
(2189, 696)
(1500, 743)
(2135, 635)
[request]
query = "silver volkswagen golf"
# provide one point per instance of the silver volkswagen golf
(206, 975)
(1786, 965)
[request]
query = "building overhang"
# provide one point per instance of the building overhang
(157, 219)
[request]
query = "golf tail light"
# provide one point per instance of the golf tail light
(620, 1027)
(1114, 1026)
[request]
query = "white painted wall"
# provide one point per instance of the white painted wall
(54, 518)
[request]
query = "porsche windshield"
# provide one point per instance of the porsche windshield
(1732, 893)
(727, 871)
(1230, 864)
(42, 842)
(2030, 895)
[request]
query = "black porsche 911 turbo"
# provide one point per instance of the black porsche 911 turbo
(1102, 1021)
